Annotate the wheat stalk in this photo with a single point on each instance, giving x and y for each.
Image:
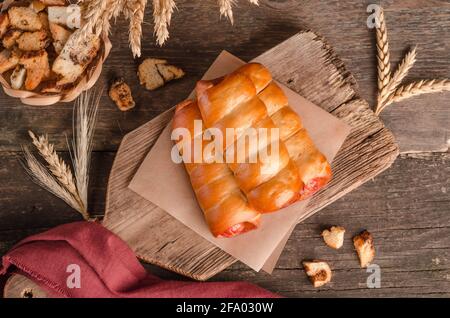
(383, 56)
(94, 17)
(399, 75)
(226, 9)
(134, 11)
(416, 89)
(98, 13)
(40, 175)
(84, 118)
(56, 164)
(162, 15)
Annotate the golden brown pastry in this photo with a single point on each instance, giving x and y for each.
(313, 167)
(225, 207)
(233, 103)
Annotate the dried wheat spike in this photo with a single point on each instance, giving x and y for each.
(396, 80)
(383, 57)
(418, 88)
(56, 164)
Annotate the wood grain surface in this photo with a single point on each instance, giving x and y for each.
(406, 208)
(309, 66)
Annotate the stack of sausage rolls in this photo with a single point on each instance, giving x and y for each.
(232, 193)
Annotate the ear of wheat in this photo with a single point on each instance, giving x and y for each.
(84, 119)
(416, 89)
(41, 176)
(389, 86)
(399, 75)
(162, 15)
(226, 9)
(56, 164)
(383, 57)
(97, 15)
(58, 178)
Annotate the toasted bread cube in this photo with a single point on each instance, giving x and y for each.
(75, 57)
(120, 93)
(37, 66)
(50, 87)
(37, 6)
(8, 60)
(24, 18)
(318, 272)
(33, 41)
(54, 2)
(60, 36)
(44, 20)
(4, 24)
(68, 16)
(18, 77)
(154, 73)
(334, 237)
(365, 248)
(10, 38)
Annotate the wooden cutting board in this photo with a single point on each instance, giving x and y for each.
(309, 66)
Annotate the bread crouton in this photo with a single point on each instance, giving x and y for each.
(24, 18)
(4, 24)
(54, 2)
(60, 36)
(154, 73)
(68, 16)
(10, 38)
(18, 77)
(37, 6)
(364, 246)
(8, 60)
(318, 272)
(120, 93)
(75, 57)
(33, 41)
(37, 66)
(44, 20)
(50, 87)
(334, 237)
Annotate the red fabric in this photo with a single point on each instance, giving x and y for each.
(108, 267)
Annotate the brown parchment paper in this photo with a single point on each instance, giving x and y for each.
(167, 184)
(90, 77)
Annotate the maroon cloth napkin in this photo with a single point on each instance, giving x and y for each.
(107, 267)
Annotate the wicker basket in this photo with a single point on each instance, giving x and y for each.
(88, 80)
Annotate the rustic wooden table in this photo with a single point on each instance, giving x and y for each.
(407, 208)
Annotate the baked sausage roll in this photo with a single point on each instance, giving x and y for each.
(263, 169)
(313, 167)
(225, 207)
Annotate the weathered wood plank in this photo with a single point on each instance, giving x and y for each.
(411, 226)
